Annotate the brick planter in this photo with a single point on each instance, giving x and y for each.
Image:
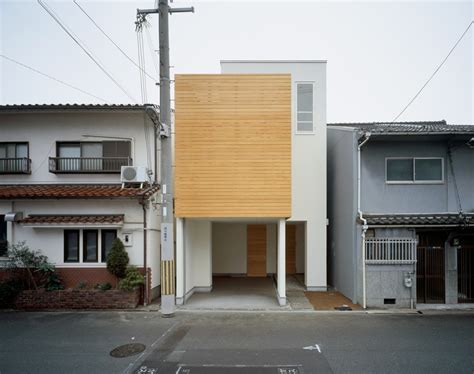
(77, 299)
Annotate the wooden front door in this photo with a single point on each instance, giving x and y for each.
(256, 250)
(290, 249)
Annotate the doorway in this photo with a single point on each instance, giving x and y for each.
(466, 270)
(256, 250)
(430, 277)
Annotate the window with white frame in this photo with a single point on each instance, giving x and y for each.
(88, 245)
(304, 107)
(414, 170)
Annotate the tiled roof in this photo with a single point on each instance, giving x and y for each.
(416, 128)
(69, 106)
(73, 219)
(420, 219)
(73, 191)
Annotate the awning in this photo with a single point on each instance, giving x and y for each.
(57, 220)
(416, 220)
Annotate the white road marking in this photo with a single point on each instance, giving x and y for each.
(313, 347)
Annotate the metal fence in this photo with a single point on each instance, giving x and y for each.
(88, 164)
(15, 165)
(390, 251)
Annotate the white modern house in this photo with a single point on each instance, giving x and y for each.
(62, 191)
(250, 175)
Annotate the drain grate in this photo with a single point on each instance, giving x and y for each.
(343, 307)
(127, 350)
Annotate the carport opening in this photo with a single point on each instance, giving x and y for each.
(244, 265)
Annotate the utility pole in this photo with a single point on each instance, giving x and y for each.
(166, 180)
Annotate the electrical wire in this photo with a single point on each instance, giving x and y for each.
(152, 51)
(434, 73)
(114, 43)
(82, 46)
(53, 78)
(143, 88)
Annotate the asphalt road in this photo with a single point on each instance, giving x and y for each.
(208, 343)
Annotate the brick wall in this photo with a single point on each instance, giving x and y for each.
(77, 299)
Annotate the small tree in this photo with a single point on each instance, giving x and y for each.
(117, 259)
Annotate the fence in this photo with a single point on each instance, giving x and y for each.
(390, 251)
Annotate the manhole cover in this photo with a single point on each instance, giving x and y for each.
(127, 350)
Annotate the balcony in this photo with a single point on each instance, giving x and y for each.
(21, 165)
(88, 165)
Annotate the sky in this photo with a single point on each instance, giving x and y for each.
(379, 53)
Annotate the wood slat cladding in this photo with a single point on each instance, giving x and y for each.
(256, 250)
(290, 238)
(233, 145)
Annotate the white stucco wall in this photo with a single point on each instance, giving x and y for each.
(229, 248)
(51, 240)
(308, 160)
(198, 257)
(43, 129)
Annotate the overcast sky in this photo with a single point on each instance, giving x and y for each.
(379, 53)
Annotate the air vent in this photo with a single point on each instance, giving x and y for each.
(389, 301)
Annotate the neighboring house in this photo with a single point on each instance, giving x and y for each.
(401, 212)
(250, 174)
(61, 189)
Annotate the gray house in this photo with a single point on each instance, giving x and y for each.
(401, 213)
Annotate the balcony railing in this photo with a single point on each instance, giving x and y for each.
(390, 251)
(20, 165)
(87, 165)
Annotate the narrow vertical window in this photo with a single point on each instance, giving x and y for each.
(107, 237)
(304, 107)
(89, 246)
(71, 245)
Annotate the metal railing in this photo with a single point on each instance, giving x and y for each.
(84, 165)
(390, 251)
(21, 165)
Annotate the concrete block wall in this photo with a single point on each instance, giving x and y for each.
(387, 282)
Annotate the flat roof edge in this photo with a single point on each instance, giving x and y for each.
(273, 61)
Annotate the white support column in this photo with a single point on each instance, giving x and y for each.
(179, 261)
(281, 270)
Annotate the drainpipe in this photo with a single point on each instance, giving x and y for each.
(364, 221)
(145, 264)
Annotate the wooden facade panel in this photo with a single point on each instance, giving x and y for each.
(256, 250)
(233, 145)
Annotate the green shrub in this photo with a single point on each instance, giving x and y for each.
(32, 268)
(103, 286)
(117, 259)
(52, 282)
(9, 290)
(82, 285)
(132, 280)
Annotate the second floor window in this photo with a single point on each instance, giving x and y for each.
(415, 170)
(91, 157)
(14, 158)
(304, 107)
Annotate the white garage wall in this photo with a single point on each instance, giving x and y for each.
(229, 248)
(197, 249)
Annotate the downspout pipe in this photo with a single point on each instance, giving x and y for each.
(361, 217)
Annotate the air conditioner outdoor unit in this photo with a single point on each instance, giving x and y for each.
(133, 174)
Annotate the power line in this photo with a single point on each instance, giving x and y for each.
(115, 44)
(53, 78)
(88, 53)
(434, 73)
